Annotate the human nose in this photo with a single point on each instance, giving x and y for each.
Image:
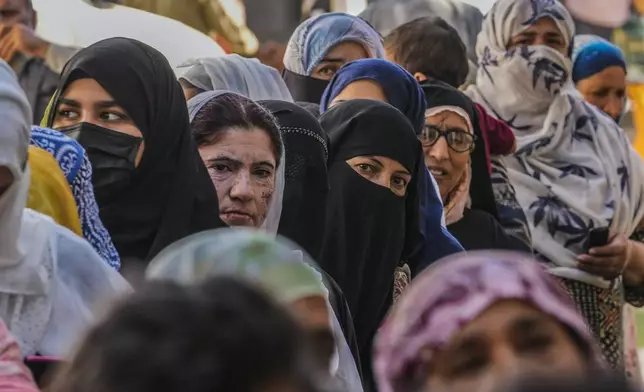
(614, 107)
(242, 187)
(440, 150)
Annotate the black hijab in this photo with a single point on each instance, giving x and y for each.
(481, 193)
(368, 227)
(303, 218)
(170, 195)
(304, 88)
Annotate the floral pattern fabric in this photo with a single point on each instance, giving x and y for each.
(574, 169)
(74, 163)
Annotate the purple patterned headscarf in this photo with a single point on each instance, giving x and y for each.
(452, 293)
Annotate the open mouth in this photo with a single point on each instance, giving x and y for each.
(438, 172)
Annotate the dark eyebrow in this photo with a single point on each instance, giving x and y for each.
(528, 33)
(332, 60)
(224, 159)
(526, 324)
(405, 172)
(105, 104)
(376, 162)
(554, 34)
(68, 102)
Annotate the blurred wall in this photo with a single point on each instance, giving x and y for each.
(273, 20)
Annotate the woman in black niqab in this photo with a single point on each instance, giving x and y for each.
(370, 230)
(303, 218)
(169, 194)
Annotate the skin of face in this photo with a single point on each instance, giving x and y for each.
(13, 12)
(509, 340)
(338, 56)
(606, 90)
(85, 100)
(242, 166)
(543, 32)
(446, 165)
(361, 89)
(6, 179)
(382, 171)
(313, 315)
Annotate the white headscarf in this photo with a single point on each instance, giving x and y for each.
(21, 244)
(247, 77)
(50, 279)
(272, 221)
(574, 169)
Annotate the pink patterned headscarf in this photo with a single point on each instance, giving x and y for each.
(452, 293)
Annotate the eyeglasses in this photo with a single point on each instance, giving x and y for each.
(457, 139)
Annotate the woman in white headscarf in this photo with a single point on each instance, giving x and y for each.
(576, 175)
(289, 276)
(234, 73)
(241, 145)
(51, 279)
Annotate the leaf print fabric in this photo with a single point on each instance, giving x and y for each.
(573, 170)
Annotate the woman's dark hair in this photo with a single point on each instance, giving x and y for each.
(220, 336)
(431, 46)
(234, 111)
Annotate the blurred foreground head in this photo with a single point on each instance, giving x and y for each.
(219, 336)
(476, 321)
(592, 384)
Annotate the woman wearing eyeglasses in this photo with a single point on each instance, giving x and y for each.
(449, 141)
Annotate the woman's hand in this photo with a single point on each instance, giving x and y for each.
(606, 261)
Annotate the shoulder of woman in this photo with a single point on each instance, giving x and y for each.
(79, 265)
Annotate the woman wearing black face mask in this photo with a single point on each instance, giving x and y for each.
(151, 186)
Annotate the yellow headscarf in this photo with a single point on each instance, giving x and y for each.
(49, 191)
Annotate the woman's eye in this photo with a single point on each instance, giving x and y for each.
(535, 344)
(327, 71)
(470, 365)
(110, 116)
(399, 182)
(219, 168)
(263, 173)
(366, 168)
(68, 114)
(600, 93)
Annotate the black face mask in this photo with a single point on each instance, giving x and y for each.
(112, 155)
(305, 88)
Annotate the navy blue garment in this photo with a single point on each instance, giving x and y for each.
(400, 88)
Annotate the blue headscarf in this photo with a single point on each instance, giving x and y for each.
(316, 36)
(75, 165)
(401, 89)
(592, 55)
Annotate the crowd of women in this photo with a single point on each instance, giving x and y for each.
(385, 215)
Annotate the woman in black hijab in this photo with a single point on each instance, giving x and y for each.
(303, 217)
(372, 213)
(120, 99)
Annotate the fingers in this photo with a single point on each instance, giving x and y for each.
(617, 246)
(5, 30)
(604, 271)
(7, 48)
